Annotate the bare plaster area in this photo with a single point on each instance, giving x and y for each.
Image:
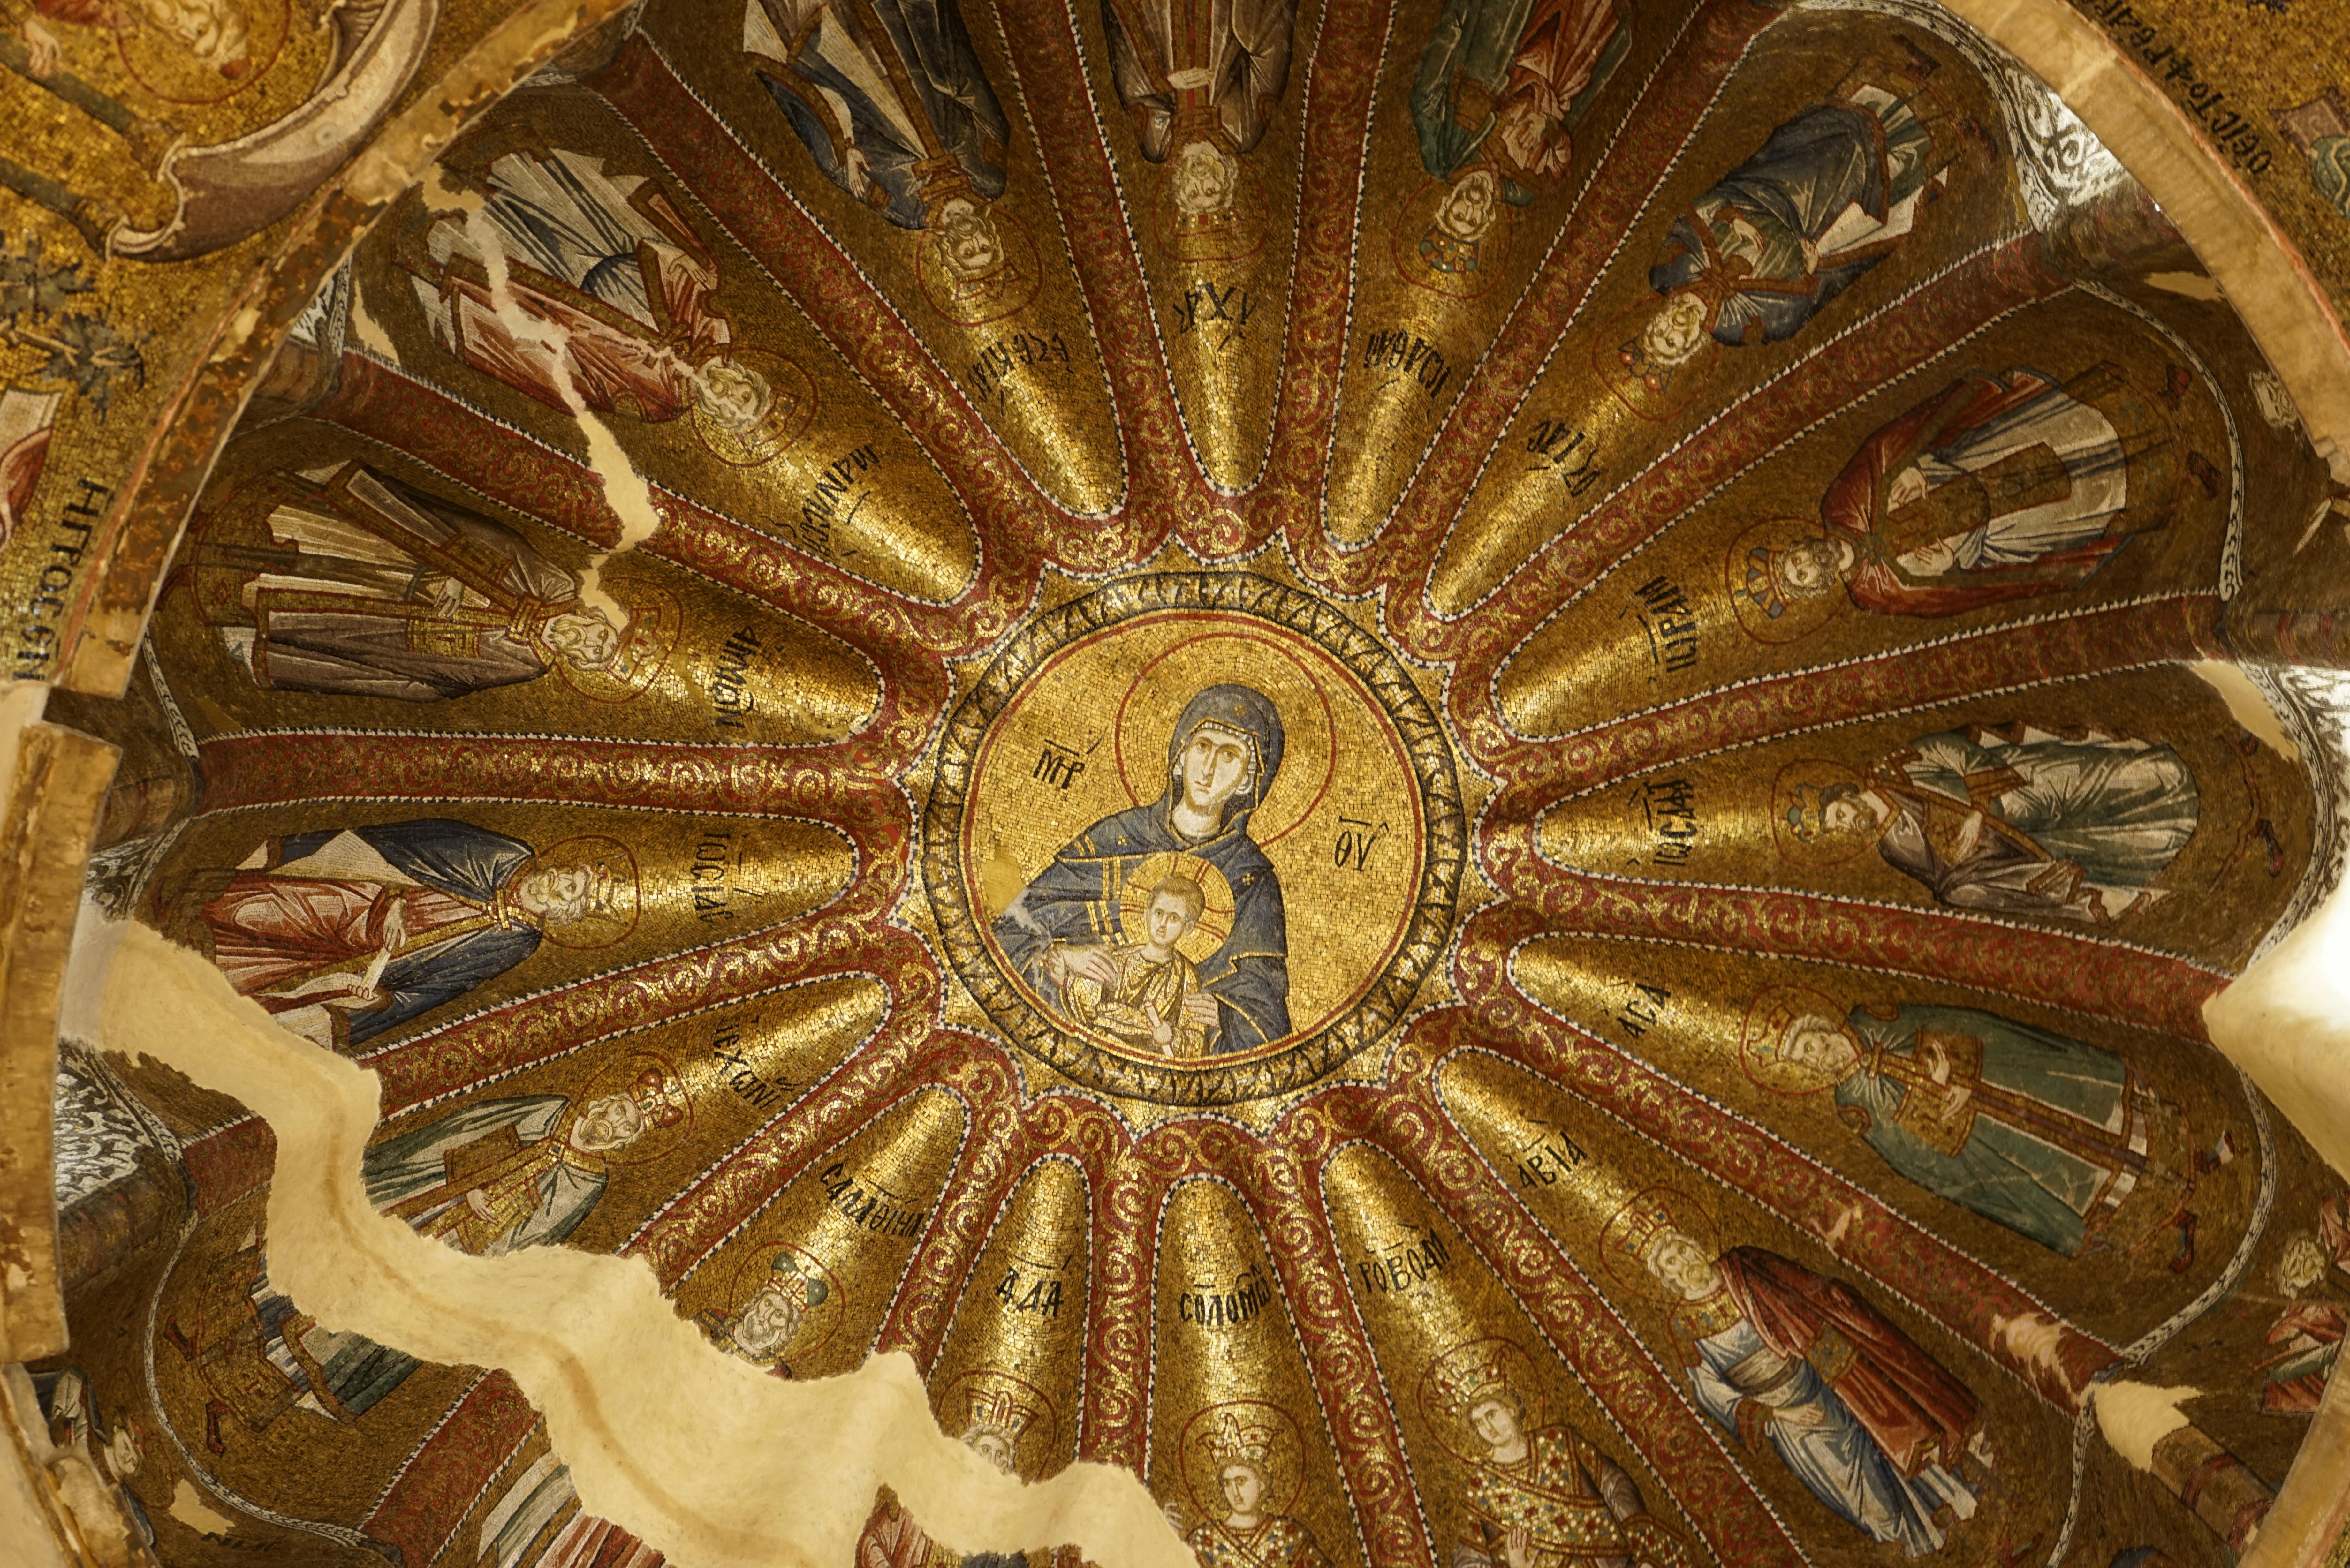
(708, 1459)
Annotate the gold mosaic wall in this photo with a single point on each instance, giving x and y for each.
(1433, 771)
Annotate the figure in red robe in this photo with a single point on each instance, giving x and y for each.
(342, 935)
(610, 272)
(25, 421)
(2308, 1333)
(1873, 1427)
(1996, 488)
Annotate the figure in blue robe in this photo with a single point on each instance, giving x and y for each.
(1073, 904)
(488, 1178)
(889, 99)
(1831, 194)
(2020, 821)
(1503, 82)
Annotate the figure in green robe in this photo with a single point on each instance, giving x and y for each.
(2057, 1139)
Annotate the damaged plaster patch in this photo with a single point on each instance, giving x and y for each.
(2135, 1417)
(188, 1507)
(625, 489)
(695, 1452)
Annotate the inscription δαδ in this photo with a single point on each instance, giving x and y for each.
(1031, 1288)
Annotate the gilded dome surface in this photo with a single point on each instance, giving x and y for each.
(1463, 776)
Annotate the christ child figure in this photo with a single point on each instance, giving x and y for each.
(1143, 996)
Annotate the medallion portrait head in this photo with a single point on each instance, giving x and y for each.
(1204, 830)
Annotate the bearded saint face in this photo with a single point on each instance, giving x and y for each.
(1808, 569)
(1205, 179)
(2303, 1265)
(1683, 1265)
(1470, 206)
(585, 640)
(967, 239)
(734, 397)
(769, 1319)
(994, 1446)
(558, 894)
(610, 1122)
(211, 30)
(1675, 333)
(1845, 809)
(1820, 1045)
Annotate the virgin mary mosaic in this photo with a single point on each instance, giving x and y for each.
(1211, 830)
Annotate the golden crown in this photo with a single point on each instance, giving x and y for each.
(600, 889)
(1472, 1380)
(1232, 1442)
(996, 1414)
(1640, 1226)
(662, 1097)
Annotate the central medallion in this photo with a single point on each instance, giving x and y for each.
(1194, 839)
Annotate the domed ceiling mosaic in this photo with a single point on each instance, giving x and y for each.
(1433, 771)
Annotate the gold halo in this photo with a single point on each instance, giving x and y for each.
(1688, 1216)
(1773, 1009)
(1417, 216)
(790, 411)
(1154, 700)
(598, 930)
(1797, 790)
(1797, 618)
(1201, 942)
(1284, 1469)
(1451, 1425)
(655, 620)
